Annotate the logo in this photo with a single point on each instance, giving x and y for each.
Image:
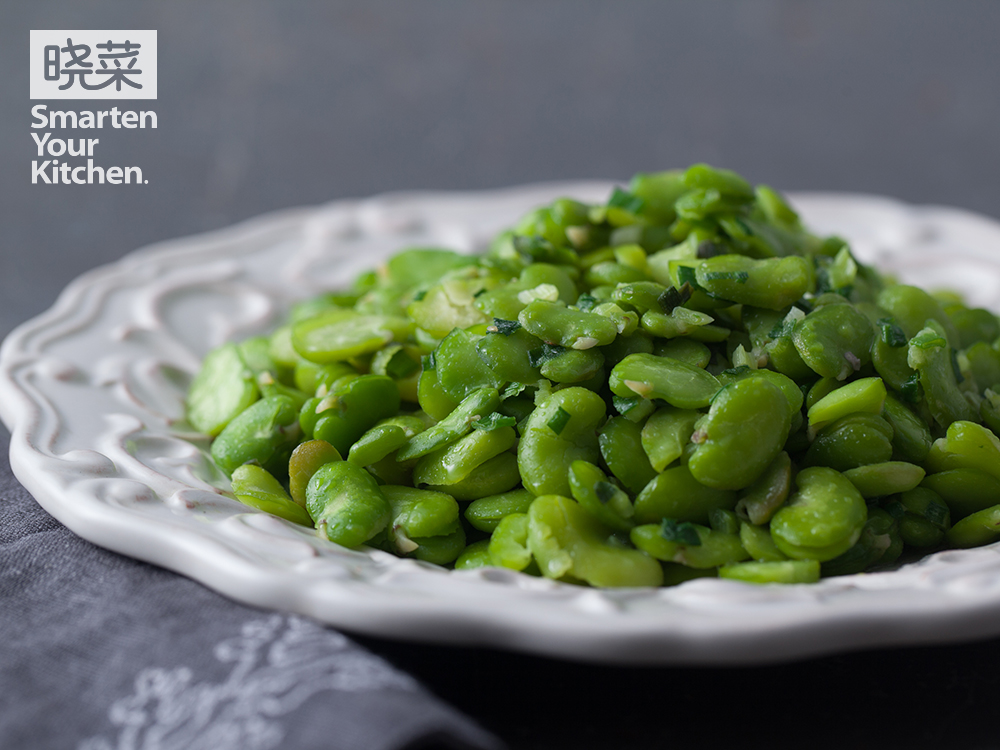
(94, 64)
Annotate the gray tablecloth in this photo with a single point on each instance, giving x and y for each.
(101, 652)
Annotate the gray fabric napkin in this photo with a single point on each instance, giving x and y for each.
(102, 652)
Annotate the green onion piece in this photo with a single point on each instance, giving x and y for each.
(493, 421)
(736, 370)
(604, 491)
(559, 421)
(626, 200)
(512, 390)
(892, 334)
(674, 297)
(683, 533)
(506, 327)
(895, 509)
(586, 302)
(910, 389)
(623, 405)
(542, 354)
(936, 514)
(534, 247)
(740, 277)
(686, 275)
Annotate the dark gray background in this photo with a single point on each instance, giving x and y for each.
(264, 105)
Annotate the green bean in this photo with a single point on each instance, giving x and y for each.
(760, 500)
(337, 334)
(306, 460)
(966, 490)
(508, 547)
(864, 395)
(349, 411)
(458, 423)
(620, 442)
(676, 494)
(886, 478)
(639, 342)
(508, 354)
(823, 519)
(834, 340)
(266, 433)
(492, 477)
(666, 433)
(930, 355)
(759, 544)
(926, 518)
(783, 571)
(555, 323)
(683, 322)
(256, 353)
(981, 363)
(679, 384)
(551, 442)
(911, 440)
(565, 540)
(852, 441)
(422, 266)
(612, 273)
(255, 487)
(419, 514)
(574, 366)
(879, 542)
(223, 388)
(890, 356)
(626, 321)
(385, 437)
(476, 555)
(791, 392)
(485, 513)
(453, 463)
(658, 191)
(282, 352)
(507, 301)
(440, 550)
(771, 331)
(745, 429)
(774, 283)
(976, 529)
(599, 497)
(912, 308)
(346, 503)
(688, 351)
(723, 520)
(966, 446)
(459, 369)
(707, 549)
(432, 398)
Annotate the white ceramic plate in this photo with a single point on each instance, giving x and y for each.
(90, 391)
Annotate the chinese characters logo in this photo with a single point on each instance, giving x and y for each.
(93, 64)
(83, 70)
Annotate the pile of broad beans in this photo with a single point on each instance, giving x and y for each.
(678, 383)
